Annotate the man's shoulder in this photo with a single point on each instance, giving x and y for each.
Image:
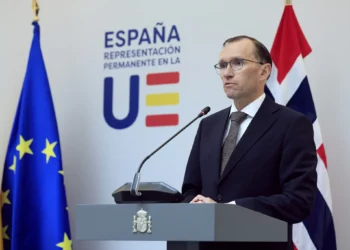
(288, 113)
(288, 117)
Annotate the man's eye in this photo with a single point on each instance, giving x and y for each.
(237, 62)
(223, 65)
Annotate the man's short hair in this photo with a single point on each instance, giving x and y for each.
(261, 52)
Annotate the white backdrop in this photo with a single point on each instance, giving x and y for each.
(98, 158)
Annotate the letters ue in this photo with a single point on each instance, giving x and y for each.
(133, 103)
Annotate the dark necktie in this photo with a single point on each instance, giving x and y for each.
(231, 139)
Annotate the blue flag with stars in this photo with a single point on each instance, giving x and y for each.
(34, 207)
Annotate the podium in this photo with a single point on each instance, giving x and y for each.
(154, 211)
(181, 225)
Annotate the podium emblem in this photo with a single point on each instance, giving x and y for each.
(142, 222)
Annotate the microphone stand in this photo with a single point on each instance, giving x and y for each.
(153, 192)
(135, 184)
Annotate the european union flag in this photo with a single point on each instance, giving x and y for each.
(34, 205)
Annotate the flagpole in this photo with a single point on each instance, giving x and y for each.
(288, 2)
(35, 8)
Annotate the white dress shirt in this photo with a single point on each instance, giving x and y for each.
(250, 110)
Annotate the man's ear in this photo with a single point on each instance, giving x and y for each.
(266, 71)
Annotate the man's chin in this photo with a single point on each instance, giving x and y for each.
(231, 95)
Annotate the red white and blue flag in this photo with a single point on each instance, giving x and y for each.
(288, 85)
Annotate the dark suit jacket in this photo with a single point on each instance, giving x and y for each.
(272, 170)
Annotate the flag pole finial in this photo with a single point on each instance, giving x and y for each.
(288, 2)
(35, 8)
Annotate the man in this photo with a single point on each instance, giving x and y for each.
(256, 154)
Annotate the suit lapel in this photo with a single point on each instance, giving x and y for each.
(216, 139)
(262, 121)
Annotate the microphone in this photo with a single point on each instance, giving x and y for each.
(155, 192)
(134, 189)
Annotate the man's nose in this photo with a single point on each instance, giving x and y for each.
(228, 71)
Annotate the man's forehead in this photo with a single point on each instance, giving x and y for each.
(238, 49)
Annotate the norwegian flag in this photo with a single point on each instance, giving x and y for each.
(288, 85)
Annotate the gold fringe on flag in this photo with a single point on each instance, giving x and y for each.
(35, 8)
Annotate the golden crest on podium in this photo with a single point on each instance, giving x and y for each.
(142, 222)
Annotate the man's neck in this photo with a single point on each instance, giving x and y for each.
(243, 102)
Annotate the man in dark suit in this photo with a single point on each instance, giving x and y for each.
(256, 154)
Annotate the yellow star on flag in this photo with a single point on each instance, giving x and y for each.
(48, 151)
(4, 235)
(13, 166)
(66, 244)
(61, 172)
(23, 147)
(4, 198)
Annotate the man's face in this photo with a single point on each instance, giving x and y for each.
(247, 81)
